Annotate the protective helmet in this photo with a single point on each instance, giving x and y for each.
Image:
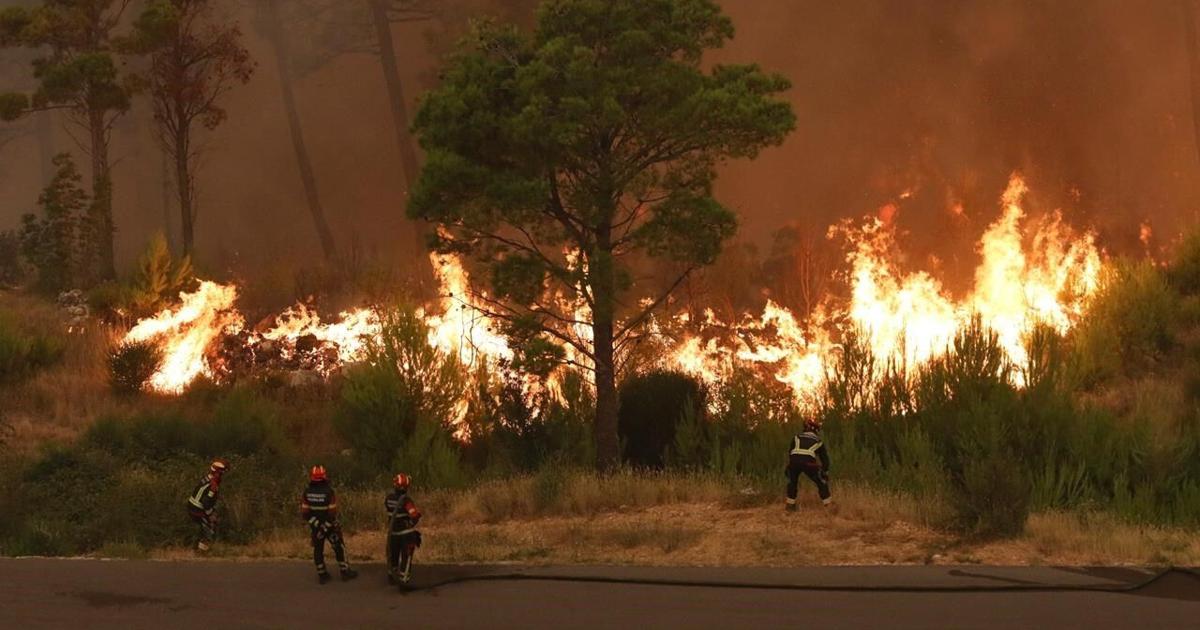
(318, 474)
(402, 481)
(812, 425)
(218, 467)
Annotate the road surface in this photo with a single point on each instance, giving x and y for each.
(47, 593)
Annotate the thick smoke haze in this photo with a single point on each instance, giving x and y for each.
(927, 105)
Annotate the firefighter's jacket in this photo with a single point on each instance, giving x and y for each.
(204, 496)
(318, 504)
(809, 447)
(403, 514)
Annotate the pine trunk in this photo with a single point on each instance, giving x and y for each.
(405, 143)
(183, 186)
(603, 283)
(280, 44)
(100, 213)
(1193, 52)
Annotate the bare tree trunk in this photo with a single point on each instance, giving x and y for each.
(100, 212)
(165, 180)
(405, 143)
(183, 186)
(280, 44)
(45, 136)
(395, 89)
(1193, 52)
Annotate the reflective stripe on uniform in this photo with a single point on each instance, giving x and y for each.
(195, 498)
(810, 451)
(404, 531)
(322, 508)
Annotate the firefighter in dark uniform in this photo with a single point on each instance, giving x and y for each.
(403, 537)
(202, 504)
(318, 506)
(809, 457)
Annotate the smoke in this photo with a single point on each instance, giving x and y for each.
(942, 100)
(927, 106)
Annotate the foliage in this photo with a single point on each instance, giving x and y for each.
(403, 384)
(652, 405)
(132, 364)
(1128, 322)
(56, 242)
(597, 135)
(159, 277)
(23, 352)
(77, 67)
(195, 59)
(1184, 270)
(12, 264)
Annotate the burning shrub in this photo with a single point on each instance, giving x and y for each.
(403, 382)
(651, 407)
(132, 364)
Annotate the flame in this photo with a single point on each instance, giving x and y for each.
(1031, 272)
(908, 319)
(186, 332)
(349, 334)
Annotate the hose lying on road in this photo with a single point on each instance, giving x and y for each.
(965, 588)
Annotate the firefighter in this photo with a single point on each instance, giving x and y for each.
(202, 504)
(318, 506)
(403, 537)
(809, 457)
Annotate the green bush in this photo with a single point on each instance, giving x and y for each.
(132, 365)
(651, 405)
(24, 353)
(159, 277)
(240, 424)
(1184, 269)
(1129, 320)
(403, 383)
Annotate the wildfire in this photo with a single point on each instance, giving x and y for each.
(185, 334)
(907, 319)
(1031, 273)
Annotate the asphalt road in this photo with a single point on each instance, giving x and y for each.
(42, 593)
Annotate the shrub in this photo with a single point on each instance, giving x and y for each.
(651, 406)
(132, 365)
(1128, 320)
(403, 383)
(24, 353)
(1184, 270)
(990, 490)
(159, 277)
(12, 266)
(57, 242)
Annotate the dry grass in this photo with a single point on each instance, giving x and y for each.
(679, 520)
(60, 401)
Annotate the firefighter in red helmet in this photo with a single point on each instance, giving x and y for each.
(809, 457)
(403, 537)
(318, 506)
(202, 503)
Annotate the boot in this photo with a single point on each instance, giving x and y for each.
(791, 507)
(392, 581)
(202, 546)
(349, 574)
(323, 577)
